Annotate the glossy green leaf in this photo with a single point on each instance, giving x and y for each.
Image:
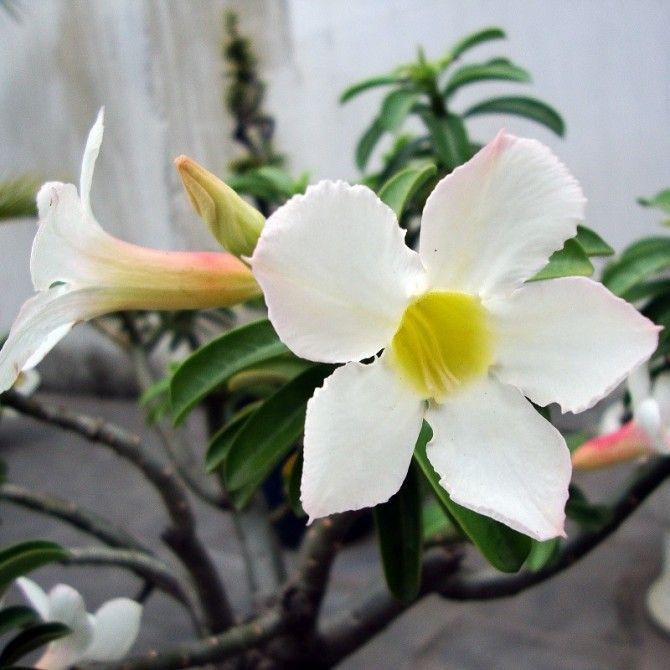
(21, 558)
(367, 143)
(16, 616)
(504, 548)
(474, 39)
(640, 262)
(395, 108)
(529, 108)
(660, 201)
(269, 433)
(566, 262)
(400, 536)
(212, 365)
(398, 190)
(591, 243)
(220, 443)
(542, 553)
(449, 138)
(361, 86)
(499, 69)
(30, 639)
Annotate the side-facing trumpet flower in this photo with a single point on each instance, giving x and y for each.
(80, 272)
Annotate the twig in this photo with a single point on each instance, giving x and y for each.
(376, 610)
(212, 649)
(73, 514)
(265, 568)
(205, 489)
(180, 536)
(148, 567)
(487, 586)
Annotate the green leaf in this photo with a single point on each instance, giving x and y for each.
(575, 439)
(529, 108)
(591, 243)
(30, 639)
(267, 183)
(220, 443)
(641, 261)
(212, 365)
(271, 431)
(499, 69)
(398, 190)
(472, 40)
(395, 108)
(449, 138)
(566, 262)
(399, 532)
(542, 553)
(17, 197)
(435, 522)
(361, 86)
(588, 515)
(504, 548)
(16, 616)
(368, 142)
(660, 201)
(19, 559)
(646, 290)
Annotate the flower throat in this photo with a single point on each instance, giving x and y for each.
(443, 340)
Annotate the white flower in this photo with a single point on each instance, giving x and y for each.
(464, 337)
(106, 635)
(647, 433)
(81, 272)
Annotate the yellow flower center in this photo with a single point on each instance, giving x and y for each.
(443, 340)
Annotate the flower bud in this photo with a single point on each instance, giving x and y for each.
(234, 223)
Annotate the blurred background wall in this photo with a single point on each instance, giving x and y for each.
(155, 65)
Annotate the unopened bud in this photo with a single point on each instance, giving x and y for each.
(234, 223)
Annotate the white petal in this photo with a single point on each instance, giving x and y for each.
(68, 243)
(612, 418)
(568, 341)
(116, 625)
(66, 606)
(647, 415)
(34, 594)
(43, 320)
(497, 456)
(335, 272)
(639, 384)
(90, 156)
(493, 222)
(661, 393)
(360, 432)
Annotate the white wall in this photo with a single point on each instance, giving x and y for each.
(155, 65)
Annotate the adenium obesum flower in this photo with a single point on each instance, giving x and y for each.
(81, 272)
(463, 336)
(106, 635)
(647, 433)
